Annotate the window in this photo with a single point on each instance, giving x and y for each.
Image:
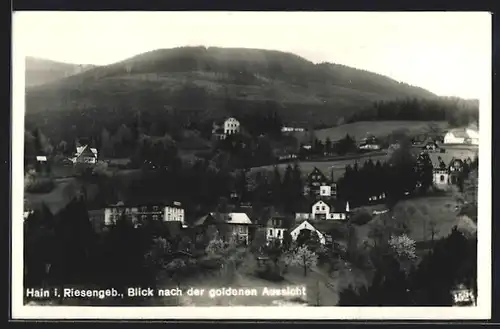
(279, 234)
(317, 208)
(169, 216)
(241, 229)
(155, 217)
(155, 208)
(144, 217)
(323, 208)
(441, 179)
(144, 208)
(271, 232)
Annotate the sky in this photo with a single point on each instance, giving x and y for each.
(443, 52)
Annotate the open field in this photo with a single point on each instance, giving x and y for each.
(418, 214)
(359, 130)
(319, 286)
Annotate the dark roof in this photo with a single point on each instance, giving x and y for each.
(282, 222)
(134, 201)
(316, 171)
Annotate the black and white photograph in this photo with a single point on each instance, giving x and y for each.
(253, 161)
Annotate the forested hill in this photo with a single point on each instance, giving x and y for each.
(214, 82)
(41, 71)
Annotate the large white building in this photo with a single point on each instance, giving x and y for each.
(138, 213)
(462, 136)
(320, 210)
(230, 126)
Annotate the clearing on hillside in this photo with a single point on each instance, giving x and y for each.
(359, 130)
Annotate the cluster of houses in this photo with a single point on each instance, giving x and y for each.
(237, 225)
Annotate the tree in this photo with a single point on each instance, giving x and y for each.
(432, 229)
(155, 257)
(106, 144)
(42, 144)
(304, 258)
(276, 186)
(215, 247)
(287, 240)
(309, 239)
(403, 248)
(176, 269)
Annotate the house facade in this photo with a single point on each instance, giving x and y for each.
(318, 185)
(275, 229)
(305, 225)
(141, 212)
(228, 127)
(320, 210)
(233, 227)
(456, 169)
(85, 154)
(462, 136)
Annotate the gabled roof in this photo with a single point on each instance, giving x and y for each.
(143, 200)
(316, 171)
(238, 218)
(459, 133)
(85, 149)
(222, 218)
(281, 222)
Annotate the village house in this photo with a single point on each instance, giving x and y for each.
(441, 174)
(462, 136)
(275, 228)
(285, 129)
(232, 227)
(320, 210)
(223, 129)
(318, 185)
(285, 155)
(431, 146)
(306, 225)
(85, 154)
(140, 212)
(369, 144)
(456, 169)
(42, 165)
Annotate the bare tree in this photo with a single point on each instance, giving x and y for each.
(304, 258)
(432, 229)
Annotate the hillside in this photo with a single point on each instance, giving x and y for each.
(42, 71)
(215, 82)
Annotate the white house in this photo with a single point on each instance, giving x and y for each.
(305, 225)
(275, 229)
(228, 127)
(323, 211)
(441, 178)
(85, 154)
(462, 136)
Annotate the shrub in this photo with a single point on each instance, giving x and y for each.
(33, 184)
(270, 273)
(361, 218)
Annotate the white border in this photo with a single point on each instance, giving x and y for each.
(481, 311)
